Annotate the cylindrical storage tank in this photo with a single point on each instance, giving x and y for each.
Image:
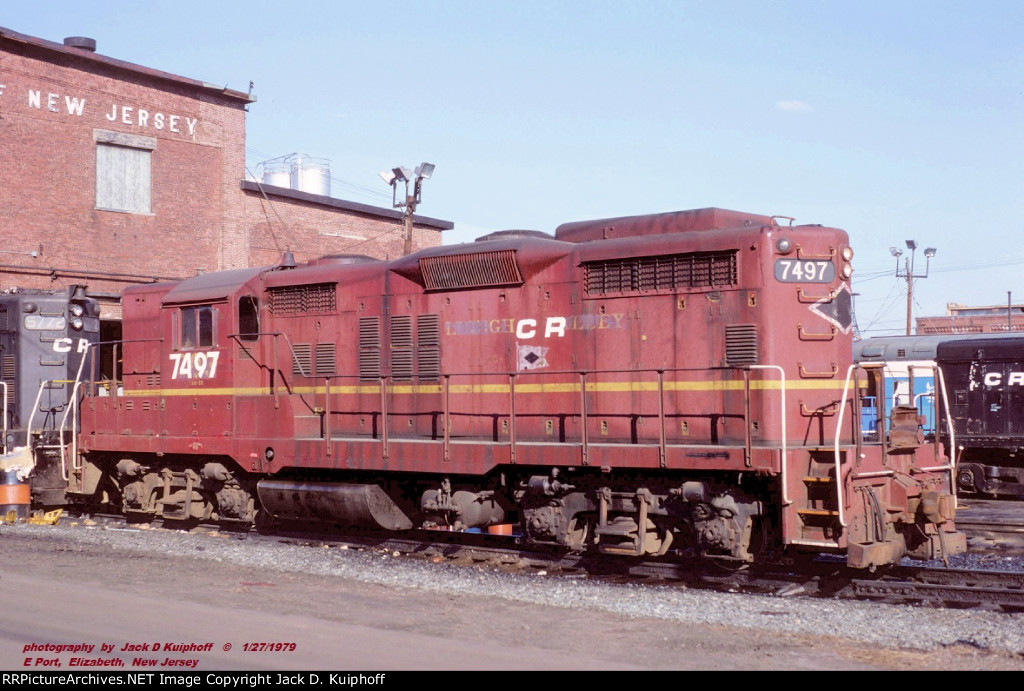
(15, 496)
(277, 173)
(312, 175)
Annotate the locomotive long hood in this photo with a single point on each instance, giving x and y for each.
(658, 224)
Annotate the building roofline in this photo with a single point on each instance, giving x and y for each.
(380, 212)
(96, 58)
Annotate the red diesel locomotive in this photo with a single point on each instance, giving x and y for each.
(672, 383)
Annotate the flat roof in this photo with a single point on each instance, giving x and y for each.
(299, 195)
(88, 56)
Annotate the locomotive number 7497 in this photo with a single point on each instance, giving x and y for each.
(804, 271)
(197, 365)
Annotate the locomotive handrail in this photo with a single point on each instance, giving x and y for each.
(951, 466)
(839, 428)
(786, 501)
(512, 416)
(115, 343)
(65, 464)
(584, 380)
(73, 406)
(35, 406)
(4, 385)
(275, 368)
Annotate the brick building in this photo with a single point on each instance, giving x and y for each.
(114, 173)
(961, 319)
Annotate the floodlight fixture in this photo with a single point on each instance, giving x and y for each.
(907, 272)
(411, 198)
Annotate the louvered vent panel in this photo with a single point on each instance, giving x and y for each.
(476, 270)
(325, 361)
(401, 332)
(401, 348)
(661, 273)
(428, 353)
(401, 365)
(9, 372)
(302, 359)
(153, 380)
(320, 297)
(369, 348)
(741, 345)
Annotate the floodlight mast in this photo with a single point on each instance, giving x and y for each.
(411, 201)
(908, 273)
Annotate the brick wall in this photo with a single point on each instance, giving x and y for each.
(53, 100)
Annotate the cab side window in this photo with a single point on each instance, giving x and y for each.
(196, 327)
(248, 318)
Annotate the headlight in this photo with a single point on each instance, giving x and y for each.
(77, 310)
(846, 271)
(783, 246)
(76, 323)
(847, 253)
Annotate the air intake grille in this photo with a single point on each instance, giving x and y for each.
(476, 270)
(300, 299)
(662, 273)
(740, 345)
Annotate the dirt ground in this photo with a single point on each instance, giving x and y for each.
(56, 591)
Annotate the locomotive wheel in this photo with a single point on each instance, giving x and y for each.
(578, 532)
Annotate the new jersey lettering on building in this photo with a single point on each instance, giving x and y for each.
(125, 114)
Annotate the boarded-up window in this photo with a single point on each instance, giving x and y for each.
(124, 172)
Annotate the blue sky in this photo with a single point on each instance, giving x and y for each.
(893, 120)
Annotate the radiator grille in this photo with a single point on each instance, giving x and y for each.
(661, 273)
(476, 270)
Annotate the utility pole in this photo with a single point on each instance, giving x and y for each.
(908, 273)
(411, 201)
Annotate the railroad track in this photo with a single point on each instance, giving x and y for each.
(821, 577)
(992, 524)
(915, 585)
